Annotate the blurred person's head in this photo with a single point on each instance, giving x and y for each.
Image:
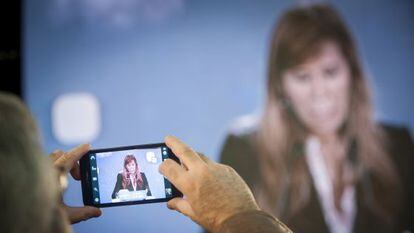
(29, 190)
(316, 86)
(318, 91)
(131, 170)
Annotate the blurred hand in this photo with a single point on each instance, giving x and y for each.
(69, 162)
(213, 192)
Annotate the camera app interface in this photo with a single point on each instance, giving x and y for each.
(129, 175)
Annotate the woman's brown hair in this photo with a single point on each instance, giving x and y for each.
(285, 182)
(126, 180)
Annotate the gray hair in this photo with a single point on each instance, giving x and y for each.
(28, 183)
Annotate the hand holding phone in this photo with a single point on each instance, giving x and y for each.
(68, 161)
(214, 192)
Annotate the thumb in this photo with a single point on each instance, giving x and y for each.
(77, 214)
(181, 205)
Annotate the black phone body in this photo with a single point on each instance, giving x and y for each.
(109, 177)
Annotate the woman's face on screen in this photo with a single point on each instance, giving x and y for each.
(318, 90)
(131, 166)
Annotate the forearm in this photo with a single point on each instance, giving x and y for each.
(253, 222)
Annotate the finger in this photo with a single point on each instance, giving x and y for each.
(174, 173)
(183, 152)
(69, 158)
(77, 214)
(56, 155)
(75, 171)
(183, 165)
(181, 205)
(205, 158)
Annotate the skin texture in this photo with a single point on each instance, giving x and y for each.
(213, 192)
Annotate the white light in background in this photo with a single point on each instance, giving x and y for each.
(76, 118)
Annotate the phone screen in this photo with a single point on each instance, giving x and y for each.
(126, 175)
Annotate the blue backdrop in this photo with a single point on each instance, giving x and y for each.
(187, 68)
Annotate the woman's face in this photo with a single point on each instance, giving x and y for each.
(131, 167)
(318, 90)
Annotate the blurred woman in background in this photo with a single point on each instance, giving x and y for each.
(316, 158)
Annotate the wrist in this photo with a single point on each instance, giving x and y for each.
(232, 220)
(247, 208)
(251, 222)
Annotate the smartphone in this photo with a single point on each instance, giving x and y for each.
(126, 176)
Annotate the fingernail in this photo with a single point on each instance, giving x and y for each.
(159, 167)
(86, 146)
(99, 213)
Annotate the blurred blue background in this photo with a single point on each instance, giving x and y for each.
(187, 68)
